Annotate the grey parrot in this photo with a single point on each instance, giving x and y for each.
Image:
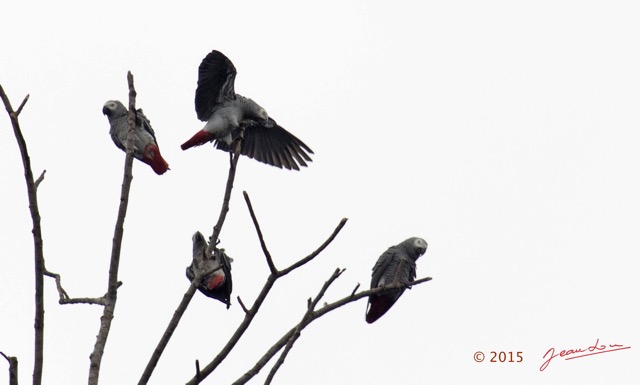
(224, 111)
(395, 266)
(216, 282)
(145, 146)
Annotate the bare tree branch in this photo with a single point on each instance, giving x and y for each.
(64, 297)
(311, 256)
(37, 238)
(267, 255)
(107, 316)
(186, 299)
(166, 336)
(227, 193)
(296, 334)
(13, 368)
(40, 178)
(24, 101)
(355, 288)
(244, 308)
(250, 314)
(310, 317)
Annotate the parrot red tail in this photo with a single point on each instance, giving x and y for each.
(215, 282)
(155, 160)
(378, 305)
(201, 137)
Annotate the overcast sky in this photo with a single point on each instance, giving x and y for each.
(505, 134)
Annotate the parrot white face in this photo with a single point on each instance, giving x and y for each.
(114, 108)
(421, 245)
(262, 114)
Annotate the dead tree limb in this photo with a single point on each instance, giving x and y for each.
(267, 255)
(309, 317)
(213, 241)
(296, 333)
(107, 316)
(64, 298)
(13, 369)
(37, 237)
(186, 298)
(250, 313)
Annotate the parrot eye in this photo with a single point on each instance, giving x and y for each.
(421, 243)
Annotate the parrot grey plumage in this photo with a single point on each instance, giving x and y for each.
(225, 111)
(216, 269)
(145, 146)
(396, 266)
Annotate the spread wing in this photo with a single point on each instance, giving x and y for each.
(271, 144)
(216, 76)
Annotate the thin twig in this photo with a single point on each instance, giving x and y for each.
(66, 300)
(250, 314)
(24, 101)
(313, 316)
(227, 193)
(296, 334)
(355, 289)
(112, 290)
(13, 368)
(168, 333)
(40, 178)
(311, 256)
(186, 299)
(244, 308)
(272, 266)
(61, 292)
(37, 238)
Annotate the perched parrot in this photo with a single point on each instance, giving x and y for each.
(145, 146)
(397, 265)
(224, 111)
(216, 282)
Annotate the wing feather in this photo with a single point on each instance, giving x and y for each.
(216, 77)
(273, 145)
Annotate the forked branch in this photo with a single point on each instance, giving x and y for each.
(112, 289)
(64, 298)
(37, 237)
(13, 368)
(186, 298)
(311, 314)
(271, 279)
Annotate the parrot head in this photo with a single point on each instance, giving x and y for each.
(113, 109)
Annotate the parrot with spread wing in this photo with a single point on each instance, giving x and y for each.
(225, 112)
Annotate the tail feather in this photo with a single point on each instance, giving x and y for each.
(201, 137)
(215, 282)
(155, 160)
(378, 305)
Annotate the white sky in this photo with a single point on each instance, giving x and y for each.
(505, 135)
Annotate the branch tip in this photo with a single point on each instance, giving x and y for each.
(22, 105)
(263, 245)
(244, 308)
(355, 289)
(40, 178)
